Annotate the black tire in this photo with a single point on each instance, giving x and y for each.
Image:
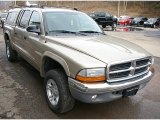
(154, 26)
(11, 54)
(1, 24)
(66, 101)
(104, 26)
(114, 25)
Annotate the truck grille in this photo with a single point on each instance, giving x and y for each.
(120, 66)
(128, 70)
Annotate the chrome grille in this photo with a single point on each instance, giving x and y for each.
(142, 62)
(120, 66)
(140, 70)
(128, 70)
(120, 74)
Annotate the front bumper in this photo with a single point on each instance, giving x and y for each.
(105, 22)
(104, 92)
(121, 23)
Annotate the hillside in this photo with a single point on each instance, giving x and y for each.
(147, 8)
(131, 8)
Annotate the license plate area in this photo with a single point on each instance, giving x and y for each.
(130, 91)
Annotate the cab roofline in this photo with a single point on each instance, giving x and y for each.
(45, 9)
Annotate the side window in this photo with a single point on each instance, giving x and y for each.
(145, 19)
(8, 17)
(13, 17)
(25, 19)
(19, 17)
(35, 19)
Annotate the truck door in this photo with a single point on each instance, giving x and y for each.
(20, 33)
(33, 40)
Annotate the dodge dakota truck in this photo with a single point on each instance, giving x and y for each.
(77, 60)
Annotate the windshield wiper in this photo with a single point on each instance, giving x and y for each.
(62, 31)
(90, 31)
(66, 31)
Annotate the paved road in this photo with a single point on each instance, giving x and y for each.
(21, 94)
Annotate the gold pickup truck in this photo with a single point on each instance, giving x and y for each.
(76, 58)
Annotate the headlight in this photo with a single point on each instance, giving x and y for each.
(91, 75)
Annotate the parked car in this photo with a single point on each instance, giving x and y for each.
(124, 20)
(139, 21)
(157, 23)
(3, 18)
(76, 59)
(152, 22)
(104, 19)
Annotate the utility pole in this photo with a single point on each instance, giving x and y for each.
(125, 6)
(73, 4)
(118, 7)
(15, 3)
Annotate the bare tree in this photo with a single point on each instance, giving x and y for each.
(118, 8)
(125, 6)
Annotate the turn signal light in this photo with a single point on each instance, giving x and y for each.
(91, 75)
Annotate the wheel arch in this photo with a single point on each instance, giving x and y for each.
(54, 61)
(6, 36)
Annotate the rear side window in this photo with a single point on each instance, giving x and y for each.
(8, 17)
(144, 19)
(19, 17)
(25, 19)
(11, 18)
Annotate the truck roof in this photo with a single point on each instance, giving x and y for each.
(46, 9)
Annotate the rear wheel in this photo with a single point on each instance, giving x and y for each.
(57, 91)
(11, 54)
(104, 26)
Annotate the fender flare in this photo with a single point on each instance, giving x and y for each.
(8, 33)
(55, 57)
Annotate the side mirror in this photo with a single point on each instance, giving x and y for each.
(33, 28)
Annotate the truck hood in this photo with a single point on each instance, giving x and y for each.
(102, 47)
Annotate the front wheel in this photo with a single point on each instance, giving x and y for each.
(57, 91)
(114, 26)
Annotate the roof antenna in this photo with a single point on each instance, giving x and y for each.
(30, 5)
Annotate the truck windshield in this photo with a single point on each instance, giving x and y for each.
(152, 20)
(137, 19)
(70, 22)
